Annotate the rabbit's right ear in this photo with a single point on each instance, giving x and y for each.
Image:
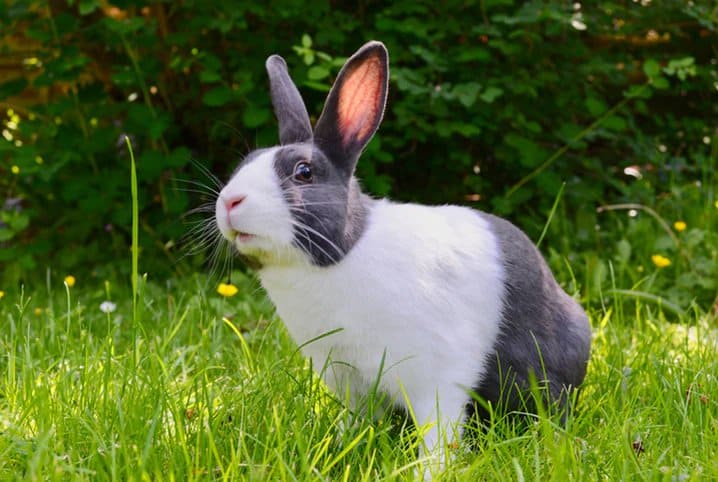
(355, 106)
(294, 125)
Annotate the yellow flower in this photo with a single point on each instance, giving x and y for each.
(70, 281)
(38, 311)
(716, 204)
(15, 170)
(227, 289)
(660, 261)
(680, 226)
(2, 294)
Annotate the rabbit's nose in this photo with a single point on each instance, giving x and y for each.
(234, 201)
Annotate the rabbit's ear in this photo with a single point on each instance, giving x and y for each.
(294, 125)
(355, 106)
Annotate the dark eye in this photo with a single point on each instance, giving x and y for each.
(303, 172)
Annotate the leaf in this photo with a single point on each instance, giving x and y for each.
(254, 116)
(38, 33)
(176, 201)
(317, 73)
(569, 131)
(595, 106)
(549, 181)
(615, 123)
(309, 57)
(533, 126)
(501, 205)
(623, 250)
(474, 54)
(150, 165)
(682, 68)
(218, 96)
(466, 130)
(86, 7)
(491, 94)
(6, 234)
(530, 153)
(158, 125)
(660, 83)
(124, 78)
(466, 93)
(306, 41)
(209, 76)
(639, 91)
(179, 157)
(651, 68)
(317, 86)
(680, 63)
(127, 26)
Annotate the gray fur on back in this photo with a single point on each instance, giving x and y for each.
(543, 330)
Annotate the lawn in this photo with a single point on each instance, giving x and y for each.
(592, 125)
(202, 387)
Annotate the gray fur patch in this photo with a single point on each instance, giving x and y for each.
(330, 212)
(294, 125)
(544, 332)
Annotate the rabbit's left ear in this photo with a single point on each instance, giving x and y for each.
(294, 125)
(355, 106)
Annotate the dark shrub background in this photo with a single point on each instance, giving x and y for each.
(493, 104)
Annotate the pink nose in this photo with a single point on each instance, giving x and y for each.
(233, 202)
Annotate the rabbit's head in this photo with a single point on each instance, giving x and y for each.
(300, 200)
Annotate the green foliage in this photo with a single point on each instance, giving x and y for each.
(493, 103)
(212, 388)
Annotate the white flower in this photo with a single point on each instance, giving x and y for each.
(107, 307)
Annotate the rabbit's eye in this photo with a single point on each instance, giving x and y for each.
(303, 172)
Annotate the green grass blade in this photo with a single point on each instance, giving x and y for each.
(135, 226)
(649, 297)
(559, 195)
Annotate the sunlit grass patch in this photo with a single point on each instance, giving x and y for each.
(213, 388)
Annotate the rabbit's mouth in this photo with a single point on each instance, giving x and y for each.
(248, 243)
(239, 238)
(243, 237)
(262, 250)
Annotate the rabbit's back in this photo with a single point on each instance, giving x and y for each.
(542, 330)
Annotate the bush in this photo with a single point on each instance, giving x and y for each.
(492, 104)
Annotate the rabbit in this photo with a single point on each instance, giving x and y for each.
(432, 306)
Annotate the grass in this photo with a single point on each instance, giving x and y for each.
(212, 388)
(174, 382)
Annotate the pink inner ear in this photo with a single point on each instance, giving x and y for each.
(359, 100)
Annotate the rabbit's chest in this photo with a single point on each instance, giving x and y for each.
(422, 289)
(328, 314)
(369, 333)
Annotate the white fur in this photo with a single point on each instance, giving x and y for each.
(263, 212)
(418, 298)
(421, 291)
